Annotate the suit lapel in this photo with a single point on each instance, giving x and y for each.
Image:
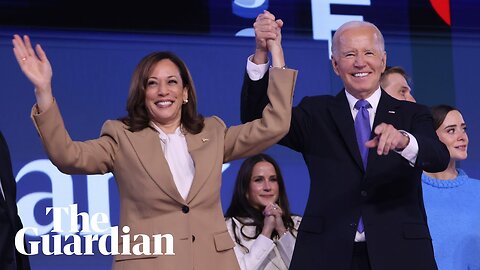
(146, 144)
(202, 148)
(387, 112)
(342, 117)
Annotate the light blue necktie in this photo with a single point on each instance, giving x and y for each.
(363, 130)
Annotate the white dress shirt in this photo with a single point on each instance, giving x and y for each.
(179, 160)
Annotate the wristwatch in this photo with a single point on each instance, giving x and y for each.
(404, 133)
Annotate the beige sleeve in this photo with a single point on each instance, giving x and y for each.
(75, 157)
(254, 137)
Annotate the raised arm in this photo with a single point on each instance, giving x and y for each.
(75, 157)
(268, 38)
(37, 68)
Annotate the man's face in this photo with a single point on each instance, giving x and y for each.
(396, 86)
(359, 60)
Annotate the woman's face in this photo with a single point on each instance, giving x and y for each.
(263, 188)
(453, 133)
(164, 95)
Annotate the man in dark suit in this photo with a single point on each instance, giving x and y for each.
(365, 208)
(10, 222)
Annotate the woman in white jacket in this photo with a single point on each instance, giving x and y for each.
(259, 218)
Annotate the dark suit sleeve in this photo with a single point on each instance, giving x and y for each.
(9, 188)
(22, 261)
(253, 98)
(433, 155)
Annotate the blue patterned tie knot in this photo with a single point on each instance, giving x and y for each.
(362, 103)
(362, 130)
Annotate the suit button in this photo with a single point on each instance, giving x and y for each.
(363, 193)
(193, 238)
(185, 209)
(353, 225)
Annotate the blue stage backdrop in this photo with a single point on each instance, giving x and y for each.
(92, 71)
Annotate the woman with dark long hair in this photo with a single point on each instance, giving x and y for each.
(451, 198)
(259, 217)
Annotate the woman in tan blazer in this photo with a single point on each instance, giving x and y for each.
(162, 191)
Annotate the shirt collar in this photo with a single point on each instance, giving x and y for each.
(373, 99)
(163, 136)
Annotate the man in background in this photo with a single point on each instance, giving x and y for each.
(394, 81)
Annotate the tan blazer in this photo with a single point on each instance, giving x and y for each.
(149, 200)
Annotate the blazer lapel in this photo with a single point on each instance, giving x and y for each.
(202, 148)
(342, 117)
(387, 112)
(146, 144)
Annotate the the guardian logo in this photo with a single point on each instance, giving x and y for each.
(81, 242)
(65, 234)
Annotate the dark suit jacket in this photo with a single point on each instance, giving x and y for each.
(387, 195)
(10, 222)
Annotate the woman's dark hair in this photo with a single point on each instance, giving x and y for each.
(138, 117)
(241, 208)
(439, 113)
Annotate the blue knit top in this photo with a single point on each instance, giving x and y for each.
(453, 211)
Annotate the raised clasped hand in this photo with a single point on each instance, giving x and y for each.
(274, 210)
(268, 35)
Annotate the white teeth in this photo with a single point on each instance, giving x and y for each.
(363, 74)
(164, 103)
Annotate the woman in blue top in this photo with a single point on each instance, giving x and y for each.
(452, 198)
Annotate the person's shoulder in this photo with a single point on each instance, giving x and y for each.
(318, 98)
(475, 181)
(314, 101)
(214, 121)
(114, 128)
(117, 124)
(239, 221)
(472, 181)
(407, 106)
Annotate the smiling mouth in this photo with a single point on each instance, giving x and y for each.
(163, 103)
(461, 147)
(360, 74)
